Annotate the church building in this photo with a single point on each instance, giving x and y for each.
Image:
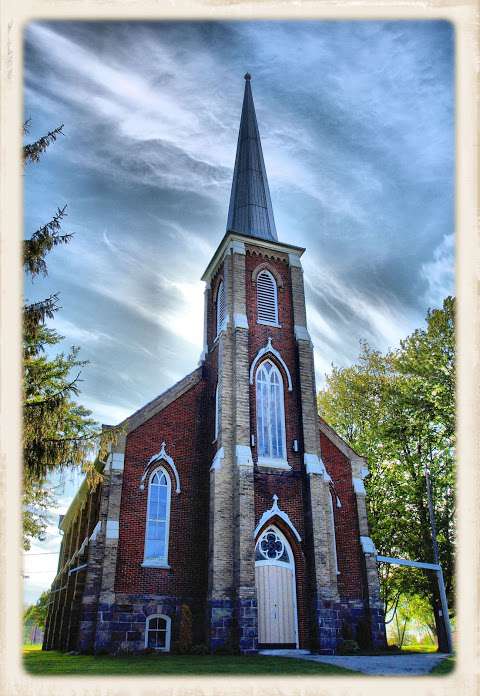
(228, 493)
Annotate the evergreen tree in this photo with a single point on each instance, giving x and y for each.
(57, 431)
(398, 410)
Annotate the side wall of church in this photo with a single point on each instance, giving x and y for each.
(141, 591)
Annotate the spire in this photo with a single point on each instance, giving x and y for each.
(250, 210)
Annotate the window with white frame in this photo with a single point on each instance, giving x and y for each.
(270, 412)
(158, 518)
(267, 298)
(334, 539)
(220, 306)
(158, 631)
(217, 411)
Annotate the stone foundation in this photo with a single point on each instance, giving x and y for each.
(221, 615)
(365, 626)
(247, 623)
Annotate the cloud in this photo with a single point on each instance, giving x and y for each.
(356, 120)
(439, 273)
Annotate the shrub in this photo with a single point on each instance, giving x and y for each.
(184, 643)
(226, 649)
(347, 633)
(150, 651)
(348, 647)
(363, 634)
(200, 649)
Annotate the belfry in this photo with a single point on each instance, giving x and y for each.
(227, 496)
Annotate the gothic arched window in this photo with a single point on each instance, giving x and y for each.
(220, 306)
(158, 519)
(267, 298)
(270, 413)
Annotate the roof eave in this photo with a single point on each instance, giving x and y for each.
(230, 236)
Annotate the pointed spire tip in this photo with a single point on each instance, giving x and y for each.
(247, 76)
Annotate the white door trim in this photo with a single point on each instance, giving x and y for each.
(290, 565)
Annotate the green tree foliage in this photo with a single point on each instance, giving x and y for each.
(57, 431)
(398, 411)
(37, 613)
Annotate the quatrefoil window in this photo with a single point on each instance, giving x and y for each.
(271, 548)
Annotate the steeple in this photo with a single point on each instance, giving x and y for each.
(250, 210)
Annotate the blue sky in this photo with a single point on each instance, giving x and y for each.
(357, 126)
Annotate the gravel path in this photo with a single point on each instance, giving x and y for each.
(407, 664)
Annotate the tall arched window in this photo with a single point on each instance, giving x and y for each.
(267, 299)
(220, 306)
(158, 519)
(270, 413)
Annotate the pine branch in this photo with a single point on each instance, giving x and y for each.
(42, 241)
(32, 151)
(38, 312)
(54, 400)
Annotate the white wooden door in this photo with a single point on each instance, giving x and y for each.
(276, 595)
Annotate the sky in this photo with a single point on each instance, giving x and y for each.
(357, 127)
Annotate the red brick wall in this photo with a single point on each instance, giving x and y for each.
(182, 426)
(349, 553)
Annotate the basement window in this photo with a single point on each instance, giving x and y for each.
(158, 631)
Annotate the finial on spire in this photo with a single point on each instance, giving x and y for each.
(247, 76)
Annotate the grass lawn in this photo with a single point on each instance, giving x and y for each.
(445, 666)
(53, 662)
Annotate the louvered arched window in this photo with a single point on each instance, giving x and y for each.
(158, 519)
(220, 306)
(270, 413)
(267, 298)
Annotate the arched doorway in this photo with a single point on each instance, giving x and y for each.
(276, 590)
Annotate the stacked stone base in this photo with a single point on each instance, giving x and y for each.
(339, 621)
(223, 624)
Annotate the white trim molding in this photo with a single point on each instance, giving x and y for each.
(168, 630)
(314, 465)
(268, 348)
(294, 260)
(236, 247)
(240, 321)
(217, 460)
(96, 530)
(367, 545)
(118, 459)
(358, 486)
(161, 456)
(275, 511)
(243, 455)
(301, 333)
(272, 463)
(112, 529)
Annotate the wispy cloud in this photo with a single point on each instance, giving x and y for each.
(356, 121)
(439, 273)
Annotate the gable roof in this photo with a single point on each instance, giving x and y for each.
(339, 442)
